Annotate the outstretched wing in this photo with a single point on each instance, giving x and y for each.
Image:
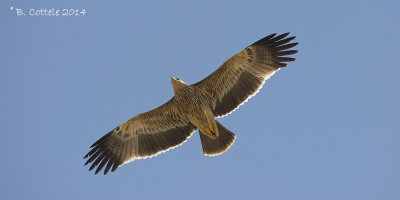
(145, 135)
(240, 77)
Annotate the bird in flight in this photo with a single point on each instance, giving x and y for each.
(194, 107)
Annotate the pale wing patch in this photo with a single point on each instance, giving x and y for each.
(144, 136)
(242, 76)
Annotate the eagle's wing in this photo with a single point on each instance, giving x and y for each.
(145, 135)
(240, 77)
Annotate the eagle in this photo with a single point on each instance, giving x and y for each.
(194, 107)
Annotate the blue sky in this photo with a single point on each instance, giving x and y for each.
(326, 127)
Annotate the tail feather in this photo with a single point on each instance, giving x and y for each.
(214, 147)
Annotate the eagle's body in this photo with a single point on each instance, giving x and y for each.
(194, 107)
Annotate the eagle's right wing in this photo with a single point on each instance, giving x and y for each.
(145, 135)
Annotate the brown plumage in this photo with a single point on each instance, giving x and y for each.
(194, 107)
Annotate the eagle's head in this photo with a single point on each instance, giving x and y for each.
(177, 83)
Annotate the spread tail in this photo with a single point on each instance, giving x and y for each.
(214, 147)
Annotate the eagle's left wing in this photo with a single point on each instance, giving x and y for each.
(240, 77)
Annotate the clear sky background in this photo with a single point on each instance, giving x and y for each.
(326, 127)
